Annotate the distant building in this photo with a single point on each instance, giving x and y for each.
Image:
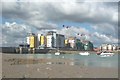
(114, 47)
(72, 42)
(43, 41)
(60, 40)
(108, 47)
(51, 37)
(28, 40)
(39, 35)
(32, 40)
(55, 40)
(79, 45)
(88, 46)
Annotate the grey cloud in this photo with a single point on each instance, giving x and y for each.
(41, 25)
(73, 31)
(40, 15)
(76, 12)
(99, 38)
(15, 30)
(106, 28)
(13, 34)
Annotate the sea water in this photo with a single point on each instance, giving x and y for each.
(92, 60)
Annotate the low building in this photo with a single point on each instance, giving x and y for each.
(108, 47)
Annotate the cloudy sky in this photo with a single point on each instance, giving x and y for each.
(97, 20)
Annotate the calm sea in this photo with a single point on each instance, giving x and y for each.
(92, 60)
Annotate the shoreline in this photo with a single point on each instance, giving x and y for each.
(16, 66)
(43, 51)
(61, 51)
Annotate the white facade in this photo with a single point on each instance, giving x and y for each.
(104, 47)
(110, 47)
(28, 40)
(38, 37)
(49, 41)
(55, 40)
(114, 47)
(72, 42)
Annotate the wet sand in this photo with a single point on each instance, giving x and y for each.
(18, 66)
(1, 66)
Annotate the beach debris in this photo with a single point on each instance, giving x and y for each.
(49, 63)
(26, 76)
(71, 63)
(81, 76)
(4, 76)
(48, 68)
(38, 69)
(27, 65)
(59, 63)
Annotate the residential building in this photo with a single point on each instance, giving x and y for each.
(32, 40)
(60, 40)
(55, 40)
(72, 41)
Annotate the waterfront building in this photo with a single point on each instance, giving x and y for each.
(51, 37)
(60, 40)
(87, 45)
(28, 40)
(67, 44)
(108, 47)
(66, 41)
(49, 41)
(32, 40)
(79, 45)
(39, 35)
(72, 41)
(43, 41)
(55, 40)
(114, 47)
(104, 47)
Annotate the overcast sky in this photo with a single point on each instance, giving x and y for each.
(98, 20)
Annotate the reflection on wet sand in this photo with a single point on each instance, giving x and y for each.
(50, 66)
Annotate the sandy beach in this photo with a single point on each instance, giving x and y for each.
(1, 66)
(18, 66)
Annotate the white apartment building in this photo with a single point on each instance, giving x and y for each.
(49, 41)
(55, 40)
